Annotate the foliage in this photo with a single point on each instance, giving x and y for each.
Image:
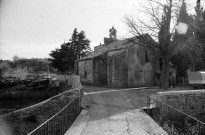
(187, 56)
(176, 122)
(64, 58)
(182, 64)
(21, 66)
(4, 67)
(34, 64)
(199, 26)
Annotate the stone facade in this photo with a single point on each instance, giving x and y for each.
(117, 68)
(117, 64)
(100, 70)
(190, 101)
(85, 71)
(140, 69)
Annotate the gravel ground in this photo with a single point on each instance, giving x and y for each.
(138, 98)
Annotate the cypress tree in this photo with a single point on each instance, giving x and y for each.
(200, 31)
(200, 22)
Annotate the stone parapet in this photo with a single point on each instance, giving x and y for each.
(191, 102)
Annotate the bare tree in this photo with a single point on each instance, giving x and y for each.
(162, 26)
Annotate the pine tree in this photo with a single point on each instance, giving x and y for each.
(64, 58)
(198, 10)
(84, 45)
(80, 44)
(181, 60)
(183, 15)
(74, 43)
(183, 18)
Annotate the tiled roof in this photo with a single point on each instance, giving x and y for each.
(119, 44)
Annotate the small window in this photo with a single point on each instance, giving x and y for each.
(85, 74)
(146, 56)
(137, 53)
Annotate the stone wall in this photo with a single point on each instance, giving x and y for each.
(191, 102)
(128, 67)
(140, 70)
(117, 68)
(85, 71)
(100, 70)
(108, 40)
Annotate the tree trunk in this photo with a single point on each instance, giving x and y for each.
(165, 76)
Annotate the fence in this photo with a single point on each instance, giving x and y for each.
(174, 121)
(61, 121)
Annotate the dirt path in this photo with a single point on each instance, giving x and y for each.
(114, 113)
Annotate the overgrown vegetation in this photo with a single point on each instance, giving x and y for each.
(176, 123)
(22, 67)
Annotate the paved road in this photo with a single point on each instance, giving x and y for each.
(114, 113)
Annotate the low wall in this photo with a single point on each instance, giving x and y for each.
(73, 80)
(191, 102)
(24, 120)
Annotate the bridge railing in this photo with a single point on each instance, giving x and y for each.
(61, 121)
(174, 121)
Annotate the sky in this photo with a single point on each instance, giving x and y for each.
(32, 28)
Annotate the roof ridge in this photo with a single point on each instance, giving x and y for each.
(116, 45)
